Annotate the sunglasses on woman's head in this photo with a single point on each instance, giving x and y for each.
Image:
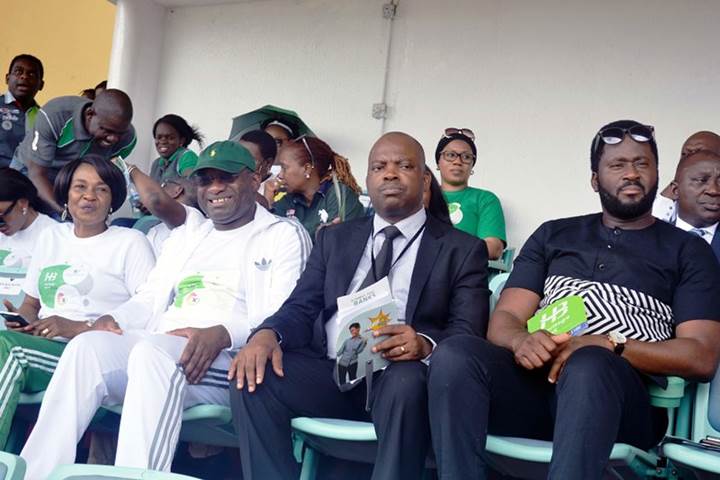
(449, 132)
(303, 139)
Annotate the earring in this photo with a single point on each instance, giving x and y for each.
(64, 214)
(472, 172)
(307, 176)
(24, 211)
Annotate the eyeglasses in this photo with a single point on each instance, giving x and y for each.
(303, 139)
(7, 210)
(449, 132)
(615, 135)
(466, 158)
(203, 178)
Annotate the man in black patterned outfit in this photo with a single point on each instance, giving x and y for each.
(652, 295)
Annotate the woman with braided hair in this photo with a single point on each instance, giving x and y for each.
(321, 189)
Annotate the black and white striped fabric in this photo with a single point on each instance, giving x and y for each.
(614, 308)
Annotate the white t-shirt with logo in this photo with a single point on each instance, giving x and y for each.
(83, 278)
(211, 289)
(16, 250)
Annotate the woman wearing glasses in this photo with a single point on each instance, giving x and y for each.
(472, 210)
(79, 271)
(320, 186)
(21, 219)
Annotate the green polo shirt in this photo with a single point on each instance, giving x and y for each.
(181, 160)
(12, 126)
(477, 212)
(59, 136)
(323, 208)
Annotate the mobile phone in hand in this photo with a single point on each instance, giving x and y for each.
(15, 317)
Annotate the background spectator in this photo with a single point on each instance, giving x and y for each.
(24, 80)
(70, 128)
(308, 169)
(22, 218)
(172, 136)
(472, 210)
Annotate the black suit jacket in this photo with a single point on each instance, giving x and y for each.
(448, 291)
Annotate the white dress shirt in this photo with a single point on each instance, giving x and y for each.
(400, 273)
(709, 232)
(665, 209)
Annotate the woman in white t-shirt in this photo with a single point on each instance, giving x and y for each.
(21, 219)
(78, 272)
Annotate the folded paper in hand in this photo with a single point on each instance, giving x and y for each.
(566, 315)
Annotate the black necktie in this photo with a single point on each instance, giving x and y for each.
(383, 261)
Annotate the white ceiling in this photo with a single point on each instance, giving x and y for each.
(196, 3)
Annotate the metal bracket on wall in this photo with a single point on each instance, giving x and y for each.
(379, 110)
(389, 10)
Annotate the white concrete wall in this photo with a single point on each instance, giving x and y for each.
(534, 80)
(135, 65)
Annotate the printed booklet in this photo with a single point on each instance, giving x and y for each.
(359, 315)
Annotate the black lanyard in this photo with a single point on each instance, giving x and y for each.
(372, 248)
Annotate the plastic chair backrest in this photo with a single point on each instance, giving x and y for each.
(497, 283)
(107, 472)
(706, 410)
(12, 467)
(504, 263)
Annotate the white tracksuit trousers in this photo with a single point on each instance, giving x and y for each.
(137, 369)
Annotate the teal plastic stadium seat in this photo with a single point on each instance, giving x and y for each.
(304, 428)
(528, 458)
(107, 472)
(208, 424)
(704, 463)
(504, 263)
(335, 428)
(12, 467)
(497, 283)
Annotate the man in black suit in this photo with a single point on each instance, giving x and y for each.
(438, 276)
(696, 189)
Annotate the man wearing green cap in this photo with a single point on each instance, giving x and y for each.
(216, 279)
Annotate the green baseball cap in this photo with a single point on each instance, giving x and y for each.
(227, 156)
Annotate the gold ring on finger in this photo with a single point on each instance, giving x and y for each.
(45, 331)
(402, 348)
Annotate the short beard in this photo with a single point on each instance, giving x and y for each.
(627, 211)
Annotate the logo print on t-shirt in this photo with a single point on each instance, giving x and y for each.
(10, 259)
(456, 214)
(263, 265)
(65, 286)
(213, 289)
(186, 290)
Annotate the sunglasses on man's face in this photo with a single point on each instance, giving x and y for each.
(204, 179)
(449, 132)
(7, 210)
(615, 135)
